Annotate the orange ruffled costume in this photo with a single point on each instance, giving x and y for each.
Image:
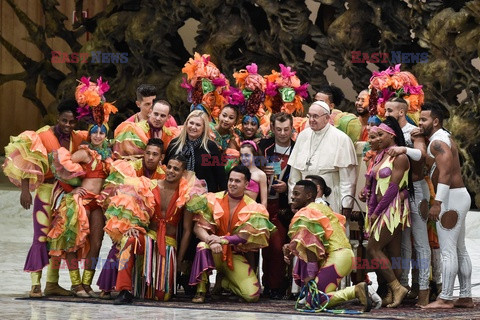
(250, 222)
(131, 139)
(70, 227)
(132, 200)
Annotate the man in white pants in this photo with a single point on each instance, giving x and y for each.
(416, 151)
(449, 209)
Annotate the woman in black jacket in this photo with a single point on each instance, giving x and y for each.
(204, 158)
(203, 155)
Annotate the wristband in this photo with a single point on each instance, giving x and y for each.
(442, 192)
(414, 154)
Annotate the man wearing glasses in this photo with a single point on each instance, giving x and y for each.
(326, 151)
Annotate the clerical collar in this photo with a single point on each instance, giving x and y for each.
(321, 131)
(234, 197)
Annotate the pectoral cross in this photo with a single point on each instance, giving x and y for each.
(308, 163)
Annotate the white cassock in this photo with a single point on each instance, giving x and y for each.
(328, 153)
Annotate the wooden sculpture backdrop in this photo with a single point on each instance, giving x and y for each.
(238, 32)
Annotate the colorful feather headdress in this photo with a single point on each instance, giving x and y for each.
(92, 105)
(252, 88)
(390, 82)
(284, 92)
(205, 84)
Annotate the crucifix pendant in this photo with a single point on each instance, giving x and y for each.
(308, 163)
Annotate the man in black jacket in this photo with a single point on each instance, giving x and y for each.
(276, 151)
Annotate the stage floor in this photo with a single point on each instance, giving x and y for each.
(15, 240)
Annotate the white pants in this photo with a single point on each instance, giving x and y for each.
(455, 258)
(420, 239)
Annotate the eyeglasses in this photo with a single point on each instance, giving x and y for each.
(316, 116)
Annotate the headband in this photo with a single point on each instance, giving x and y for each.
(386, 128)
(374, 119)
(95, 127)
(250, 142)
(322, 104)
(248, 117)
(374, 129)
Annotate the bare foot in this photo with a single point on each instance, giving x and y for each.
(463, 303)
(439, 304)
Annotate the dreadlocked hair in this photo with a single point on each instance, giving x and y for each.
(254, 102)
(197, 94)
(372, 102)
(277, 103)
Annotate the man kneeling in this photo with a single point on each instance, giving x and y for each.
(229, 223)
(324, 253)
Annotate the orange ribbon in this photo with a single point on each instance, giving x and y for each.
(161, 232)
(227, 254)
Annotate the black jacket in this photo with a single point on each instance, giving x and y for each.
(267, 147)
(208, 166)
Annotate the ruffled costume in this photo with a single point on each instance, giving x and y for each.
(319, 230)
(136, 204)
(70, 226)
(310, 230)
(395, 212)
(121, 183)
(26, 157)
(347, 122)
(222, 141)
(248, 230)
(131, 139)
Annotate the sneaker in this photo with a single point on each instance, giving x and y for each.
(376, 300)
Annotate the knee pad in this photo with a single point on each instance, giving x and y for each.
(423, 209)
(449, 219)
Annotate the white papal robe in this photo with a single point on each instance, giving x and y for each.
(332, 156)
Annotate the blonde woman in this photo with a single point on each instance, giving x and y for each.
(203, 155)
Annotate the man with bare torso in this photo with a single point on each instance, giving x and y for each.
(160, 237)
(449, 209)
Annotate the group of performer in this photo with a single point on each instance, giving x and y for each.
(242, 174)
